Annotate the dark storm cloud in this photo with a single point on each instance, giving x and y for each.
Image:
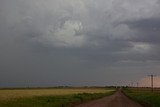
(148, 30)
(68, 42)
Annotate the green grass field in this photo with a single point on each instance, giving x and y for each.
(62, 97)
(144, 96)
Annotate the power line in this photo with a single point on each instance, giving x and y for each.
(152, 79)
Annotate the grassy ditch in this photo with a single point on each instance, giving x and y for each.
(53, 100)
(143, 96)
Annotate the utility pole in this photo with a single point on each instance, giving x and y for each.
(152, 78)
(137, 84)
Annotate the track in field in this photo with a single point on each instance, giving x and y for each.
(116, 100)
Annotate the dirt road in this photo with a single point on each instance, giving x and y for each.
(116, 100)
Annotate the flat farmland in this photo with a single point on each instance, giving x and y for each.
(144, 96)
(50, 97)
(9, 94)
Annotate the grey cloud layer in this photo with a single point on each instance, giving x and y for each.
(59, 37)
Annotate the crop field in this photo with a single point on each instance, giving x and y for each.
(144, 96)
(54, 97)
(21, 93)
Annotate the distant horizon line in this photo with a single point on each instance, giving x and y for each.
(51, 87)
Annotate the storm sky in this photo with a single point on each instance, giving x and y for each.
(78, 42)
